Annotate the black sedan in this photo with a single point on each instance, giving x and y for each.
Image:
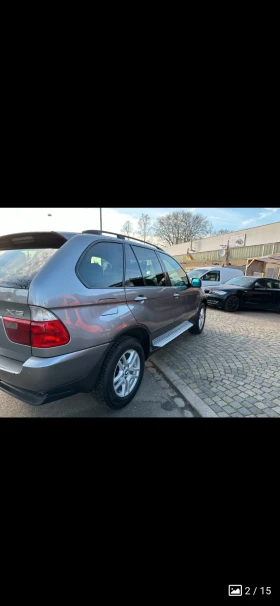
(245, 293)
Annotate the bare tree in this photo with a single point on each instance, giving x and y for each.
(127, 228)
(181, 226)
(218, 232)
(169, 228)
(223, 231)
(144, 226)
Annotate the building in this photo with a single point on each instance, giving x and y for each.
(248, 243)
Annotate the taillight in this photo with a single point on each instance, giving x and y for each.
(18, 331)
(44, 329)
(48, 334)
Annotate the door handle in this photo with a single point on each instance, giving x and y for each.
(140, 298)
(176, 295)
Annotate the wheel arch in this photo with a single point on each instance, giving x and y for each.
(139, 332)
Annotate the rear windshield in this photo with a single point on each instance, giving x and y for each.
(19, 267)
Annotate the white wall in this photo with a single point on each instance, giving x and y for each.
(265, 234)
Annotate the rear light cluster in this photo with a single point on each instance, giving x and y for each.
(43, 330)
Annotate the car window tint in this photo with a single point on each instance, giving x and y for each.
(213, 276)
(133, 275)
(19, 267)
(102, 266)
(176, 274)
(276, 284)
(269, 284)
(260, 284)
(150, 267)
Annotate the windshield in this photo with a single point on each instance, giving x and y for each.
(197, 273)
(19, 267)
(241, 281)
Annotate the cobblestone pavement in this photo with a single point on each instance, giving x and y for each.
(233, 366)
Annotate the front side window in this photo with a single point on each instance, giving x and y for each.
(102, 266)
(212, 276)
(175, 272)
(276, 284)
(262, 284)
(150, 266)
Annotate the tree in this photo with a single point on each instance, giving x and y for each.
(219, 232)
(144, 226)
(181, 226)
(127, 228)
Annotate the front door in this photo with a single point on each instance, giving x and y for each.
(260, 296)
(148, 293)
(211, 278)
(185, 297)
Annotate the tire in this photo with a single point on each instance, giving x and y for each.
(231, 304)
(199, 323)
(122, 351)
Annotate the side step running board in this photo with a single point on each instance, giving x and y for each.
(171, 334)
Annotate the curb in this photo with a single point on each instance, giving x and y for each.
(192, 398)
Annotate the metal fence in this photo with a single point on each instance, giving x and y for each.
(244, 252)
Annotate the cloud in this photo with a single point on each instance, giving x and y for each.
(260, 216)
(248, 221)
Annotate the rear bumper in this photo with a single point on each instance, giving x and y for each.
(35, 398)
(42, 380)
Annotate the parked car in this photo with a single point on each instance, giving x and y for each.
(246, 293)
(81, 312)
(214, 274)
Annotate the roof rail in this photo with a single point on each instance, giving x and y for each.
(99, 232)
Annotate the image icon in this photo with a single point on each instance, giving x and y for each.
(235, 590)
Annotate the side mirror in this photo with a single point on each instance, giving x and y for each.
(196, 282)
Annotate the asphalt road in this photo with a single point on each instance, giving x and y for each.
(155, 398)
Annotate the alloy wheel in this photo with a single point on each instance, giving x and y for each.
(126, 373)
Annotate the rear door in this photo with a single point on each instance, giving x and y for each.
(185, 298)
(148, 293)
(21, 257)
(276, 295)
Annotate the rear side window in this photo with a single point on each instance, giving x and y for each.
(19, 267)
(102, 266)
(276, 284)
(133, 275)
(150, 266)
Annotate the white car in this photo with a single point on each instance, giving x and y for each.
(215, 275)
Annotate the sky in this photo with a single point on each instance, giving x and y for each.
(14, 220)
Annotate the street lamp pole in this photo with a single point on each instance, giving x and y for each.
(100, 219)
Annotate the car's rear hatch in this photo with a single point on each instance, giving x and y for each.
(21, 258)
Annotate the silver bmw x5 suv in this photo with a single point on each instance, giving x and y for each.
(81, 312)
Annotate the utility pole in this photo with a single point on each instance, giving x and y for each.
(227, 253)
(100, 219)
